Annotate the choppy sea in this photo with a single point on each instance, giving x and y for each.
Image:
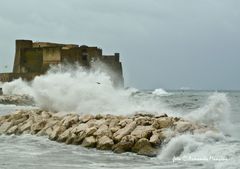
(219, 150)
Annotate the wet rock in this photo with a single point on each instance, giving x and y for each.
(26, 126)
(78, 137)
(12, 130)
(90, 131)
(5, 126)
(36, 127)
(70, 120)
(144, 147)
(103, 131)
(142, 131)
(85, 118)
(57, 130)
(183, 126)
(100, 122)
(114, 129)
(157, 138)
(144, 121)
(125, 144)
(18, 121)
(113, 122)
(16, 99)
(124, 131)
(65, 135)
(105, 143)
(81, 127)
(46, 115)
(144, 114)
(89, 142)
(124, 122)
(164, 122)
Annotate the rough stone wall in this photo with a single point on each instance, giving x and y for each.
(20, 44)
(47, 44)
(51, 55)
(31, 60)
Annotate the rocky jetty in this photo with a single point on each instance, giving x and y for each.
(16, 99)
(140, 133)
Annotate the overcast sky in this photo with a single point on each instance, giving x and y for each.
(163, 43)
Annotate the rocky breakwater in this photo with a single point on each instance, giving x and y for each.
(140, 133)
(16, 99)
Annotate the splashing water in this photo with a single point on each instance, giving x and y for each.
(160, 92)
(214, 113)
(212, 147)
(84, 91)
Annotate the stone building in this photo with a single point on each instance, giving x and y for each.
(34, 58)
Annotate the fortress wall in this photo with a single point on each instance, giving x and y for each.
(70, 55)
(20, 44)
(51, 55)
(93, 53)
(31, 60)
(113, 63)
(35, 58)
(48, 44)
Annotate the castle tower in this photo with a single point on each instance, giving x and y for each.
(20, 44)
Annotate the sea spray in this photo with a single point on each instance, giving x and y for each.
(207, 146)
(160, 92)
(216, 113)
(76, 89)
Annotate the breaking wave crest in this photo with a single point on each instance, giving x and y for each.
(209, 146)
(160, 92)
(79, 90)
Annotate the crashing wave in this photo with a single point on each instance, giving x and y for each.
(160, 92)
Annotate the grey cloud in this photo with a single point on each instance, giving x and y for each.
(169, 44)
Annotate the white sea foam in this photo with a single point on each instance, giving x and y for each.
(160, 92)
(210, 146)
(216, 112)
(75, 89)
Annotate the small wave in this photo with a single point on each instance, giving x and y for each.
(160, 92)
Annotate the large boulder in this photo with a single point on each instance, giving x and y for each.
(12, 130)
(144, 147)
(184, 126)
(124, 131)
(144, 120)
(26, 126)
(157, 137)
(70, 120)
(142, 131)
(57, 130)
(164, 122)
(85, 118)
(89, 142)
(103, 131)
(36, 127)
(105, 143)
(125, 144)
(5, 126)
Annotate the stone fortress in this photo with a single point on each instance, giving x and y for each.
(34, 58)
